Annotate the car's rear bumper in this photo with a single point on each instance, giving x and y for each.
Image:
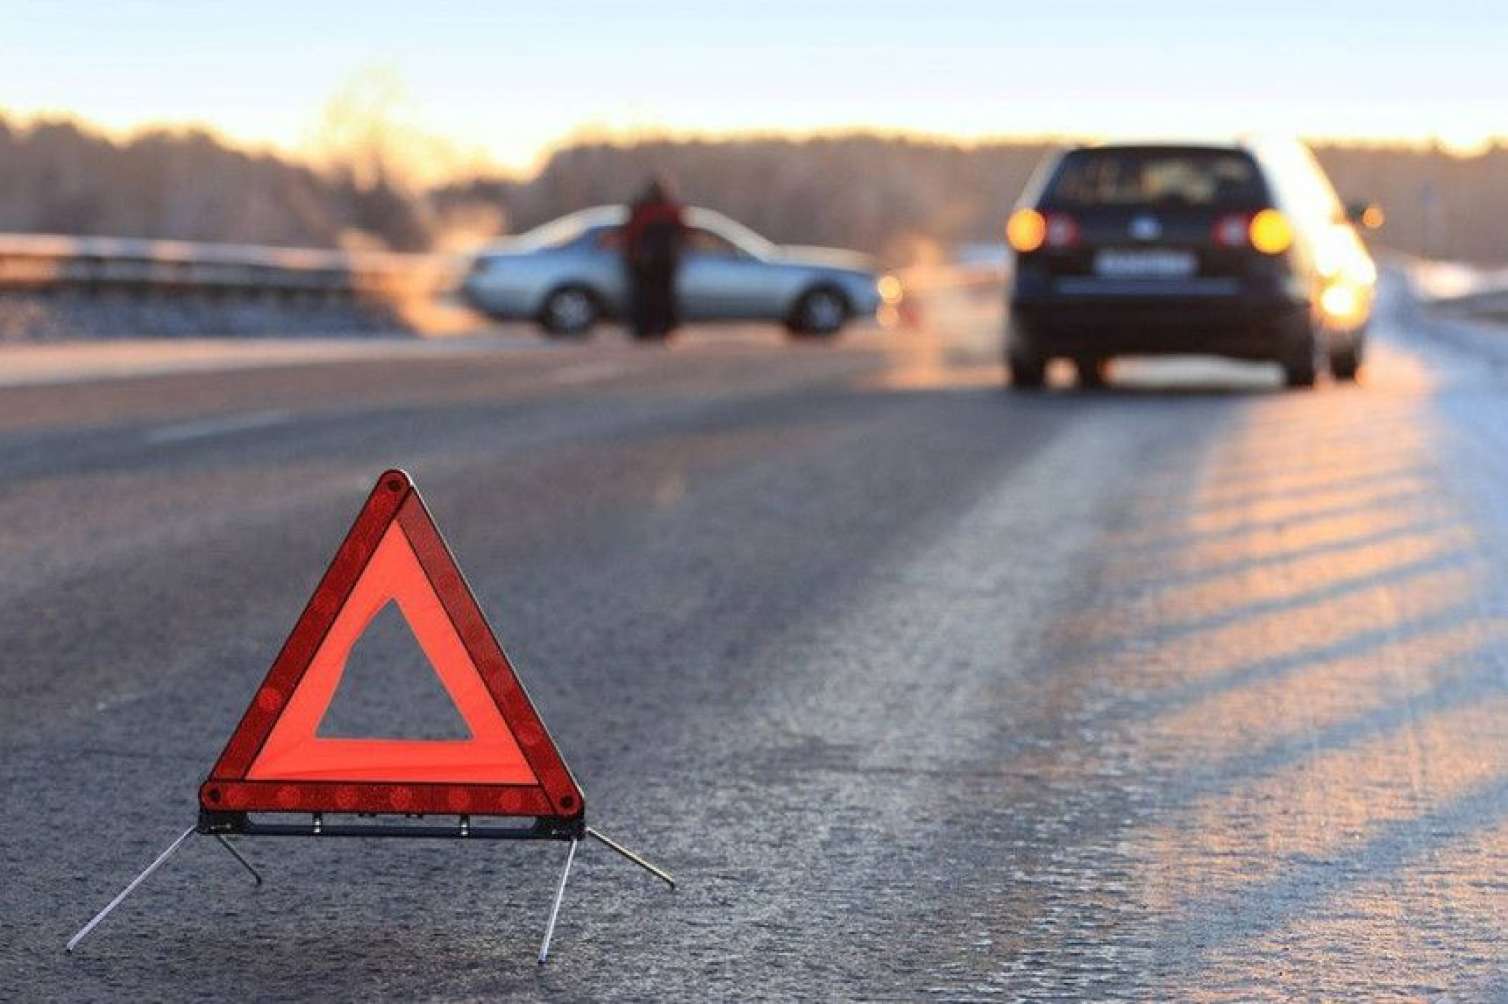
(1238, 326)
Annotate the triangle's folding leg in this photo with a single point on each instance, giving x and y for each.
(654, 870)
(544, 947)
(138, 880)
(256, 876)
(660, 873)
(128, 890)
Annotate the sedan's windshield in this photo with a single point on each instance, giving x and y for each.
(567, 229)
(603, 221)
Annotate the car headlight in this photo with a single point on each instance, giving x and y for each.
(1345, 304)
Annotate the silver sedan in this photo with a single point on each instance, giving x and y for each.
(568, 274)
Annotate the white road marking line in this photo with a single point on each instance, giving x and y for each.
(216, 426)
(30, 365)
(587, 373)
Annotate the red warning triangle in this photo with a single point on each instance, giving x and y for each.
(277, 762)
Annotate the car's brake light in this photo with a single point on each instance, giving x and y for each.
(1270, 232)
(1231, 230)
(1026, 230)
(1062, 231)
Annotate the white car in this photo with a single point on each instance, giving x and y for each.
(568, 274)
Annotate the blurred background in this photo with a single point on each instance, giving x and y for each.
(376, 126)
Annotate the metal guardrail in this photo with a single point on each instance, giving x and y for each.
(94, 265)
(1481, 303)
(1453, 286)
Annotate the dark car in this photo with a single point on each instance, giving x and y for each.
(1239, 250)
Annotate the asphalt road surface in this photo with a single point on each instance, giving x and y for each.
(1191, 688)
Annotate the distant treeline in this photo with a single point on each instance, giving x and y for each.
(896, 196)
(56, 177)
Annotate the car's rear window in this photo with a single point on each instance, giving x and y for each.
(1138, 177)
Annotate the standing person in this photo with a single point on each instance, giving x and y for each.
(652, 241)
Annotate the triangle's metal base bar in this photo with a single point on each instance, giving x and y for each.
(465, 827)
(544, 947)
(397, 830)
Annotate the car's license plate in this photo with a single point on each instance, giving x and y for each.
(1145, 264)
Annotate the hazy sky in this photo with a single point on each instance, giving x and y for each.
(511, 78)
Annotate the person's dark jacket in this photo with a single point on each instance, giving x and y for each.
(653, 236)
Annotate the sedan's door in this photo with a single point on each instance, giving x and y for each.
(720, 281)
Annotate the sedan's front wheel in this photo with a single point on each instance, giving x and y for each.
(569, 312)
(820, 313)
